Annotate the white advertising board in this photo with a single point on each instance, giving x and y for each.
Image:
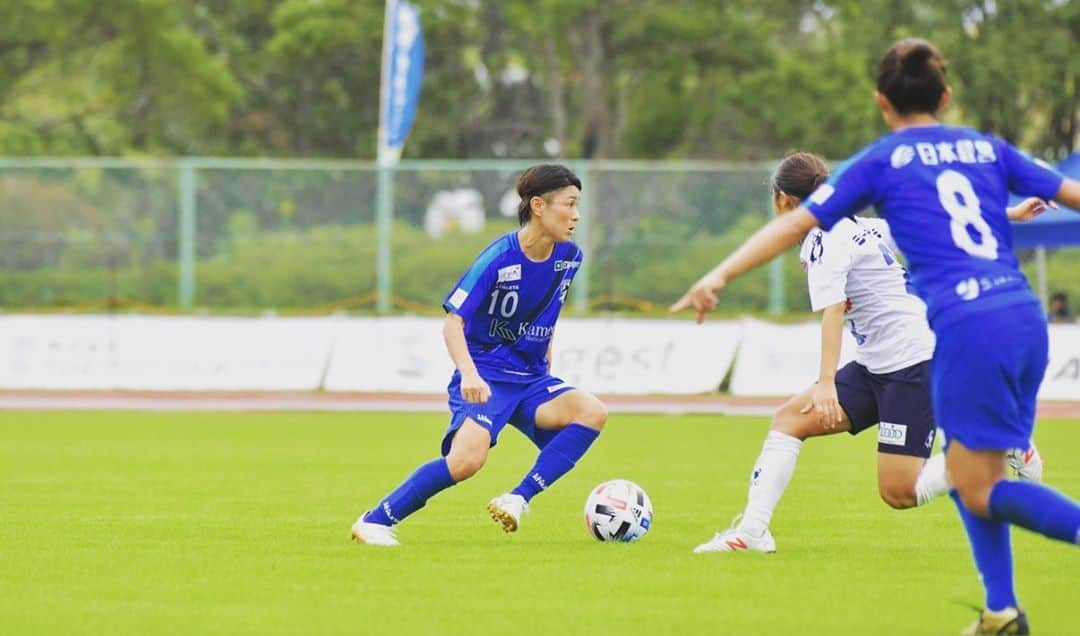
(163, 353)
(403, 354)
(601, 356)
(776, 360)
(644, 356)
(389, 354)
(1062, 380)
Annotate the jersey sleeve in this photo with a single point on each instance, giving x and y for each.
(1027, 176)
(828, 262)
(475, 283)
(848, 190)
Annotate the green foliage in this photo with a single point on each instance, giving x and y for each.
(742, 79)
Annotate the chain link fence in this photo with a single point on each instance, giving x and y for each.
(296, 237)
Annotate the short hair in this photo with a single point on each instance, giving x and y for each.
(538, 181)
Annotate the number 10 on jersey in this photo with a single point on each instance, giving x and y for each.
(508, 305)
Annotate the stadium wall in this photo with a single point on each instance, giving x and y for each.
(407, 355)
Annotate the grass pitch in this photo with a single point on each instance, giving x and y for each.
(238, 524)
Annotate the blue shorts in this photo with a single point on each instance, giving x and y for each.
(512, 403)
(987, 372)
(899, 402)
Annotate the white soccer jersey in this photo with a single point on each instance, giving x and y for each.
(853, 262)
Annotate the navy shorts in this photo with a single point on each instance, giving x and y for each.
(898, 402)
(513, 403)
(987, 372)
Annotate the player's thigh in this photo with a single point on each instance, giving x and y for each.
(573, 406)
(790, 419)
(897, 475)
(468, 449)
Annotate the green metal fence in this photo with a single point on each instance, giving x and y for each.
(225, 235)
(244, 236)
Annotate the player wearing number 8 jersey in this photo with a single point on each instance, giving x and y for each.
(854, 276)
(943, 191)
(499, 326)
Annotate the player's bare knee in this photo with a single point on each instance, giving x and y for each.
(898, 495)
(789, 422)
(975, 497)
(594, 414)
(465, 465)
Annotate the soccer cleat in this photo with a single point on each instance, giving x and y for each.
(373, 534)
(735, 539)
(1027, 464)
(1010, 620)
(507, 510)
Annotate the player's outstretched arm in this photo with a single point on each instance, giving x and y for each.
(1069, 193)
(772, 239)
(473, 387)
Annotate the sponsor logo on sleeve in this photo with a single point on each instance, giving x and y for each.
(564, 287)
(458, 297)
(892, 434)
(565, 265)
(509, 273)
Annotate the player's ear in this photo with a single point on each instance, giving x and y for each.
(882, 102)
(946, 97)
(784, 202)
(537, 203)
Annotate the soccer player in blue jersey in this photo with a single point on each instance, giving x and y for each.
(498, 330)
(943, 191)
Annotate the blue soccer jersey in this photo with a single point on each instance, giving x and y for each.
(944, 191)
(510, 304)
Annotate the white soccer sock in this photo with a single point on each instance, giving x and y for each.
(770, 478)
(933, 480)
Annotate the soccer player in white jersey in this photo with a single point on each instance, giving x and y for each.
(854, 276)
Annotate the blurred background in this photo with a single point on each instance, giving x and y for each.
(183, 156)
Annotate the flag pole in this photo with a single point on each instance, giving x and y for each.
(384, 196)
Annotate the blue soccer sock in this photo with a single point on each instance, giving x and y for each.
(1037, 508)
(412, 494)
(992, 549)
(556, 459)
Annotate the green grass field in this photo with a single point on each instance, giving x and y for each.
(238, 524)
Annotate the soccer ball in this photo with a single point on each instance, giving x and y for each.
(618, 510)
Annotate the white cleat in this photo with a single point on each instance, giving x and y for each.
(1027, 464)
(507, 510)
(735, 539)
(373, 534)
